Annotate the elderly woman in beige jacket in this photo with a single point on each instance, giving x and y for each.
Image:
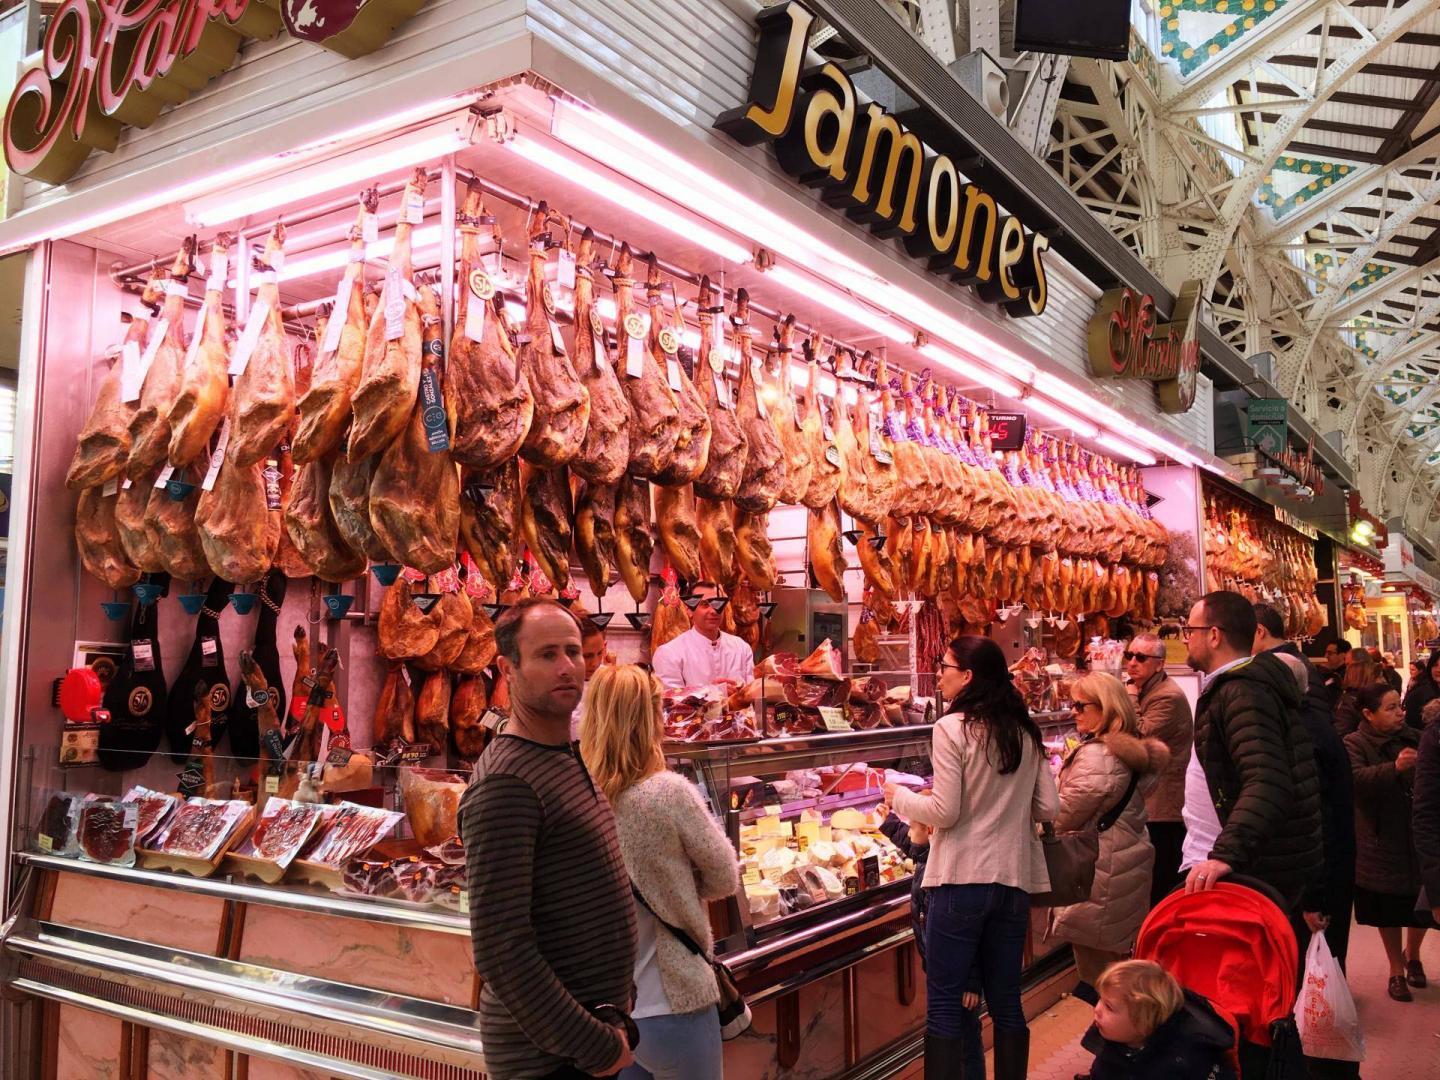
(677, 857)
(1095, 778)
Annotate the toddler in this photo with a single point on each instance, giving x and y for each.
(1148, 1028)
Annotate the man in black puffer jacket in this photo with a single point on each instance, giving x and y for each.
(1258, 760)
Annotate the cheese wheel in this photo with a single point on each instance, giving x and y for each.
(847, 819)
(764, 899)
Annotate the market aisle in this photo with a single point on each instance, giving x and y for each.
(1401, 1040)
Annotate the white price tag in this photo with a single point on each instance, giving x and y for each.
(143, 653)
(218, 457)
(672, 372)
(369, 228)
(125, 485)
(219, 270)
(194, 348)
(177, 288)
(339, 311)
(131, 374)
(556, 340)
(602, 361)
(634, 357)
(759, 397)
(277, 260)
(394, 300)
(475, 317)
(245, 347)
(112, 487)
(152, 346)
(565, 270)
(164, 478)
(722, 392)
(414, 207)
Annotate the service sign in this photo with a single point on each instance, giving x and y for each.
(880, 173)
(1128, 341)
(109, 64)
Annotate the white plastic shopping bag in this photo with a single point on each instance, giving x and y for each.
(1325, 1013)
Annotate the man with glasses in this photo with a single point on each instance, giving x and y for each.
(1258, 785)
(704, 655)
(1164, 714)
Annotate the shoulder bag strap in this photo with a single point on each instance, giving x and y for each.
(1113, 814)
(679, 935)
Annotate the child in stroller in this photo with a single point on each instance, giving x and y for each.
(1147, 1026)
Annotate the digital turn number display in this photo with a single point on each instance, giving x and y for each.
(1007, 430)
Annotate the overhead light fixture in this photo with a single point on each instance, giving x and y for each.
(1125, 449)
(597, 183)
(421, 240)
(841, 304)
(356, 167)
(1060, 416)
(976, 373)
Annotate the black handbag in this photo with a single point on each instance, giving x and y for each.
(1070, 857)
(732, 1009)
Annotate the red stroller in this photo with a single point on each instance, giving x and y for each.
(1234, 945)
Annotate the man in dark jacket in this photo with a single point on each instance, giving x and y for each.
(1164, 713)
(1337, 786)
(1258, 761)
(1422, 691)
(1426, 820)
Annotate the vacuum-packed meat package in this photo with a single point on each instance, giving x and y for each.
(452, 898)
(282, 831)
(349, 831)
(451, 852)
(199, 828)
(59, 832)
(107, 831)
(415, 879)
(432, 802)
(155, 808)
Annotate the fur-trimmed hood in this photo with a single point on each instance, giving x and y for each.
(1144, 756)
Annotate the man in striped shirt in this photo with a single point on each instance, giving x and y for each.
(551, 919)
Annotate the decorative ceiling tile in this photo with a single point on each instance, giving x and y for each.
(1193, 31)
(1294, 180)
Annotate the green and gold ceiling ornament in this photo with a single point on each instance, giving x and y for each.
(1194, 31)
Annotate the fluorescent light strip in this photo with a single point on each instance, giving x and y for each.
(1124, 449)
(1060, 416)
(958, 365)
(599, 184)
(841, 304)
(422, 239)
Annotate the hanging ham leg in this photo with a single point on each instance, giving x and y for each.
(390, 372)
(655, 418)
(467, 708)
(136, 538)
(205, 379)
(562, 404)
(104, 441)
(350, 507)
(432, 712)
(99, 542)
(545, 517)
(692, 447)
(595, 535)
(720, 479)
(150, 423)
(794, 445)
(764, 472)
(825, 461)
(856, 497)
(237, 530)
(324, 409)
(605, 451)
(753, 552)
(634, 543)
(716, 521)
(312, 528)
(487, 396)
(827, 555)
(263, 399)
(415, 494)
(679, 533)
(490, 519)
(174, 536)
(395, 709)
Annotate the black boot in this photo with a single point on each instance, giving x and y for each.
(945, 1059)
(1012, 1054)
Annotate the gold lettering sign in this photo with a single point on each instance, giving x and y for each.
(1127, 341)
(879, 172)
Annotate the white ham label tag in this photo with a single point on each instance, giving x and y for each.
(672, 372)
(131, 374)
(176, 288)
(194, 348)
(556, 341)
(338, 313)
(164, 478)
(394, 305)
(219, 270)
(475, 318)
(565, 270)
(759, 397)
(112, 487)
(414, 207)
(125, 486)
(245, 347)
(369, 228)
(152, 346)
(722, 392)
(218, 457)
(144, 655)
(634, 346)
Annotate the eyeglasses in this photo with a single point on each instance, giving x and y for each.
(1188, 630)
(1081, 706)
(1138, 656)
(943, 664)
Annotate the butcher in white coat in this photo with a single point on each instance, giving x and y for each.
(704, 655)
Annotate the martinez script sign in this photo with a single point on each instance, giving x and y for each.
(112, 63)
(1127, 341)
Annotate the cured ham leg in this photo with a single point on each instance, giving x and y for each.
(104, 441)
(237, 530)
(545, 517)
(350, 507)
(324, 409)
(827, 555)
(692, 448)
(490, 518)
(403, 630)
(720, 479)
(753, 553)
(825, 460)
(390, 372)
(205, 380)
(634, 543)
(794, 445)
(764, 472)
(679, 533)
(487, 396)
(605, 452)
(415, 494)
(99, 542)
(855, 494)
(595, 535)
(655, 417)
(289, 559)
(562, 404)
(263, 399)
(174, 536)
(468, 702)
(150, 423)
(716, 521)
(312, 528)
(432, 712)
(874, 562)
(136, 539)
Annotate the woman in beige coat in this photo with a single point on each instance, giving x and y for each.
(1094, 779)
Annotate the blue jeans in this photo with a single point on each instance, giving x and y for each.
(678, 1047)
(981, 925)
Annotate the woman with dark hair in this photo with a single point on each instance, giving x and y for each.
(1423, 690)
(1361, 673)
(992, 783)
(1383, 753)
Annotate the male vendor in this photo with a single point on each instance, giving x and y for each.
(704, 655)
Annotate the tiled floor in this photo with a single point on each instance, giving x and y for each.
(1402, 1040)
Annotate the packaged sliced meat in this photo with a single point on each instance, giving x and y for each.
(282, 831)
(107, 831)
(350, 831)
(414, 879)
(155, 808)
(200, 827)
(59, 832)
(447, 876)
(451, 852)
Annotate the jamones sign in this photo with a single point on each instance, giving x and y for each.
(880, 173)
(111, 63)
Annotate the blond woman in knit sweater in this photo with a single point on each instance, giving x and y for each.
(678, 859)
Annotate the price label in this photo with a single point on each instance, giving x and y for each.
(219, 456)
(340, 309)
(369, 227)
(208, 648)
(112, 487)
(773, 811)
(556, 341)
(414, 207)
(597, 342)
(219, 269)
(759, 397)
(493, 720)
(432, 406)
(833, 717)
(464, 902)
(394, 305)
(272, 785)
(144, 653)
(751, 876)
(46, 844)
(722, 391)
(565, 270)
(245, 347)
(131, 376)
(672, 373)
(164, 478)
(194, 348)
(131, 391)
(634, 346)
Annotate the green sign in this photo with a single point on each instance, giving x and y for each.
(1267, 420)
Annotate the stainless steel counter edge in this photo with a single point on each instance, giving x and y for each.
(324, 903)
